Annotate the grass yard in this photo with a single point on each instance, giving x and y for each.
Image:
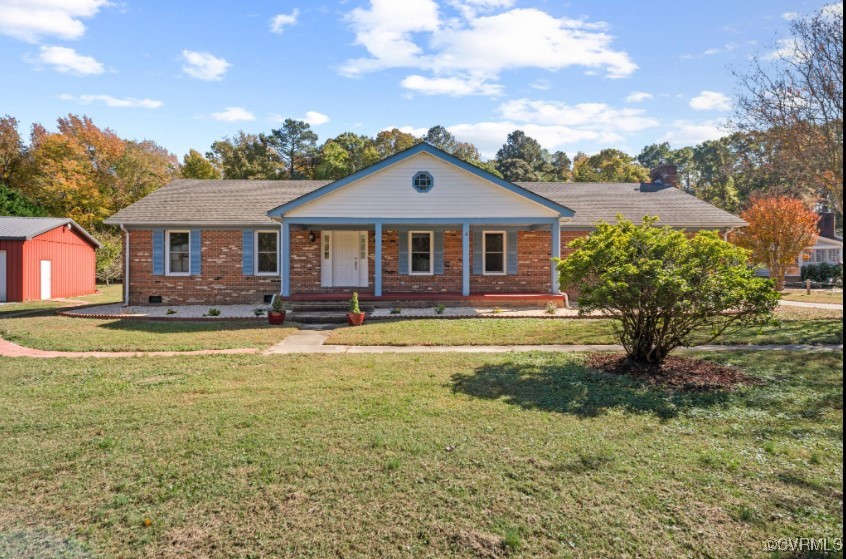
(62, 333)
(464, 455)
(798, 325)
(816, 296)
(107, 294)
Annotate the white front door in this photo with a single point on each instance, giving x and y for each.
(344, 259)
(46, 279)
(2, 275)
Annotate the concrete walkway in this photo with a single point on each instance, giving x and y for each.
(831, 306)
(10, 349)
(313, 340)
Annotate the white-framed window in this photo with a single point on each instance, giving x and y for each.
(493, 252)
(178, 251)
(420, 249)
(267, 253)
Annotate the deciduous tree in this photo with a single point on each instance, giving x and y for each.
(796, 97)
(246, 156)
(610, 165)
(780, 230)
(195, 166)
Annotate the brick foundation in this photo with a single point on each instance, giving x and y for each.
(222, 281)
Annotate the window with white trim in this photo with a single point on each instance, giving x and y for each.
(493, 252)
(267, 253)
(420, 252)
(178, 252)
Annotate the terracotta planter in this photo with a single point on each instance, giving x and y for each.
(355, 319)
(276, 318)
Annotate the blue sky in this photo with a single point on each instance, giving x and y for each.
(579, 75)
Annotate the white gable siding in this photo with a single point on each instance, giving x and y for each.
(388, 193)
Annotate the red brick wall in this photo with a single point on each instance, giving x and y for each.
(221, 281)
(534, 273)
(568, 237)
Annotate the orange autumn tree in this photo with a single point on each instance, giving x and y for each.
(780, 230)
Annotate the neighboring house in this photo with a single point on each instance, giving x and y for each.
(45, 257)
(419, 224)
(828, 248)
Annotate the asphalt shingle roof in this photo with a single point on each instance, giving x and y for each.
(603, 201)
(13, 228)
(242, 202)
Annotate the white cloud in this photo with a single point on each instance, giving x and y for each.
(66, 60)
(32, 20)
(476, 48)
(588, 116)
(280, 21)
(115, 102)
(204, 65)
(711, 101)
(233, 114)
(786, 49)
(315, 118)
(687, 133)
(455, 87)
(555, 125)
(789, 16)
(638, 97)
(541, 84)
(728, 47)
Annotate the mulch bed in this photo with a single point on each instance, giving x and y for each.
(677, 373)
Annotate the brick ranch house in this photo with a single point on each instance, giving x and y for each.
(421, 224)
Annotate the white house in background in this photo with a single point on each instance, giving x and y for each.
(828, 248)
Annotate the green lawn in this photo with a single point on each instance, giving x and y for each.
(106, 294)
(798, 325)
(63, 333)
(465, 455)
(816, 296)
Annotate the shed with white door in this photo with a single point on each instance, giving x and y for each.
(45, 258)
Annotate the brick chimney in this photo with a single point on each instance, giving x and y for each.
(665, 174)
(826, 224)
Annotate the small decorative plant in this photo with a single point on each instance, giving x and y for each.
(355, 317)
(171, 311)
(497, 310)
(551, 308)
(396, 310)
(276, 315)
(214, 312)
(258, 312)
(440, 308)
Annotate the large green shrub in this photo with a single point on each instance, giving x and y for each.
(663, 286)
(823, 272)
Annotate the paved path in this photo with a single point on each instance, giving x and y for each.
(313, 341)
(832, 306)
(10, 349)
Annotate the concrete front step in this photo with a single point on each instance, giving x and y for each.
(324, 307)
(318, 317)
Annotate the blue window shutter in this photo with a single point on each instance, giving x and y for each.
(511, 265)
(196, 252)
(477, 253)
(403, 253)
(158, 252)
(247, 250)
(438, 250)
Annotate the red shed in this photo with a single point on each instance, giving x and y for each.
(44, 258)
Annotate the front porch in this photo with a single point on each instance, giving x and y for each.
(495, 262)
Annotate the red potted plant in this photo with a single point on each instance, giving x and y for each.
(355, 317)
(276, 314)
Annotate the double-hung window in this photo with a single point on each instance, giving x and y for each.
(267, 253)
(178, 253)
(493, 247)
(420, 252)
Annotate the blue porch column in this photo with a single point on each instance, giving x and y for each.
(285, 264)
(377, 268)
(465, 259)
(556, 253)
